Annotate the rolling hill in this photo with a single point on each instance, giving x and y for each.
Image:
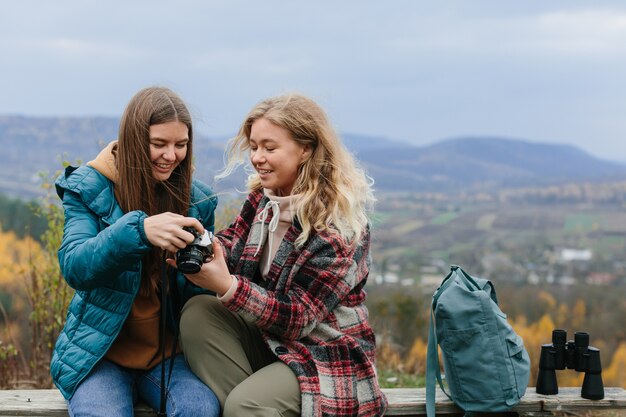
(484, 163)
(39, 144)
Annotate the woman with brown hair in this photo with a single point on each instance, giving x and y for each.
(124, 213)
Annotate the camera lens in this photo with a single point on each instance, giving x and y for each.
(189, 260)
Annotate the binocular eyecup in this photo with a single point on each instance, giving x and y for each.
(574, 354)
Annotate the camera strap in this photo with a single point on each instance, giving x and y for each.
(162, 330)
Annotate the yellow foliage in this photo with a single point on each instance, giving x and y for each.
(534, 335)
(416, 359)
(545, 327)
(548, 299)
(570, 378)
(387, 357)
(562, 315)
(16, 256)
(579, 312)
(521, 321)
(615, 374)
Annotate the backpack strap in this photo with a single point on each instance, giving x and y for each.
(433, 370)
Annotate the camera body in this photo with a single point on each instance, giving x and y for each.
(189, 259)
(573, 354)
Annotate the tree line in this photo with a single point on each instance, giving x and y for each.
(24, 218)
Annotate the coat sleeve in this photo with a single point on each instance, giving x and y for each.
(90, 257)
(329, 272)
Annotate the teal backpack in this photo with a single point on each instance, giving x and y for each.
(486, 365)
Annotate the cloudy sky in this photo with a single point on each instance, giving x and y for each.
(411, 70)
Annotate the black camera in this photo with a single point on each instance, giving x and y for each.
(573, 354)
(189, 259)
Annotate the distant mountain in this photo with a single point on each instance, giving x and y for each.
(478, 162)
(353, 141)
(361, 143)
(38, 144)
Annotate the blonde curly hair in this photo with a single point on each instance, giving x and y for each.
(334, 193)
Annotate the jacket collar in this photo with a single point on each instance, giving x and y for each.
(94, 183)
(104, 163)
(258, 233)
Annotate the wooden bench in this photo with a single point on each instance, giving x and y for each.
(409, 402)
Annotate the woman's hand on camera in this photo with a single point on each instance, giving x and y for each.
(214, 275)
(165, 230)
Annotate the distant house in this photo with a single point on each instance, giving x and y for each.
(495, 261)
(567, 280)
(600, 278)
(430, 281)
(533, 278)
(572, 255)
(387, 278)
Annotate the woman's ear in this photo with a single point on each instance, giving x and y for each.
(306, 153)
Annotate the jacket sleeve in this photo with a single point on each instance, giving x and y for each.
(90, 257)
(329, 272)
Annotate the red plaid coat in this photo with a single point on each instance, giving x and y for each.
(310, 311)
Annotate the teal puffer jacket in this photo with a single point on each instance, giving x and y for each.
(100, 257)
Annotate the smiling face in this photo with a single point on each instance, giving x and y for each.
(168, 148)
(276, 156)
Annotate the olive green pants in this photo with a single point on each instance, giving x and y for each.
(230, 356)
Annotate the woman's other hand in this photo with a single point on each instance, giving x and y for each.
(165, 230)
(214, 275)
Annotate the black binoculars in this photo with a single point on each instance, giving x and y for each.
(573, 354)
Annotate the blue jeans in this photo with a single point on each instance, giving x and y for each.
(111, 390)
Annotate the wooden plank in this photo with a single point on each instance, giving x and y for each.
(408, 402)
(411, 402)
(32, 402)
(569, 399)
(44, 402)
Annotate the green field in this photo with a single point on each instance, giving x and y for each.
(519, 234)
(444, 218)
(583, 222)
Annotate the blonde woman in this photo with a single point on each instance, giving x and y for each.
(288, 333)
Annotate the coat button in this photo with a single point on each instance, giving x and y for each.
(281, 350)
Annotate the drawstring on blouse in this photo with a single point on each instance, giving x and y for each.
(274, 206)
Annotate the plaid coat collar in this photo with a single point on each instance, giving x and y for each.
(276, 280)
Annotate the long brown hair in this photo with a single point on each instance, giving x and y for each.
(136, 188)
